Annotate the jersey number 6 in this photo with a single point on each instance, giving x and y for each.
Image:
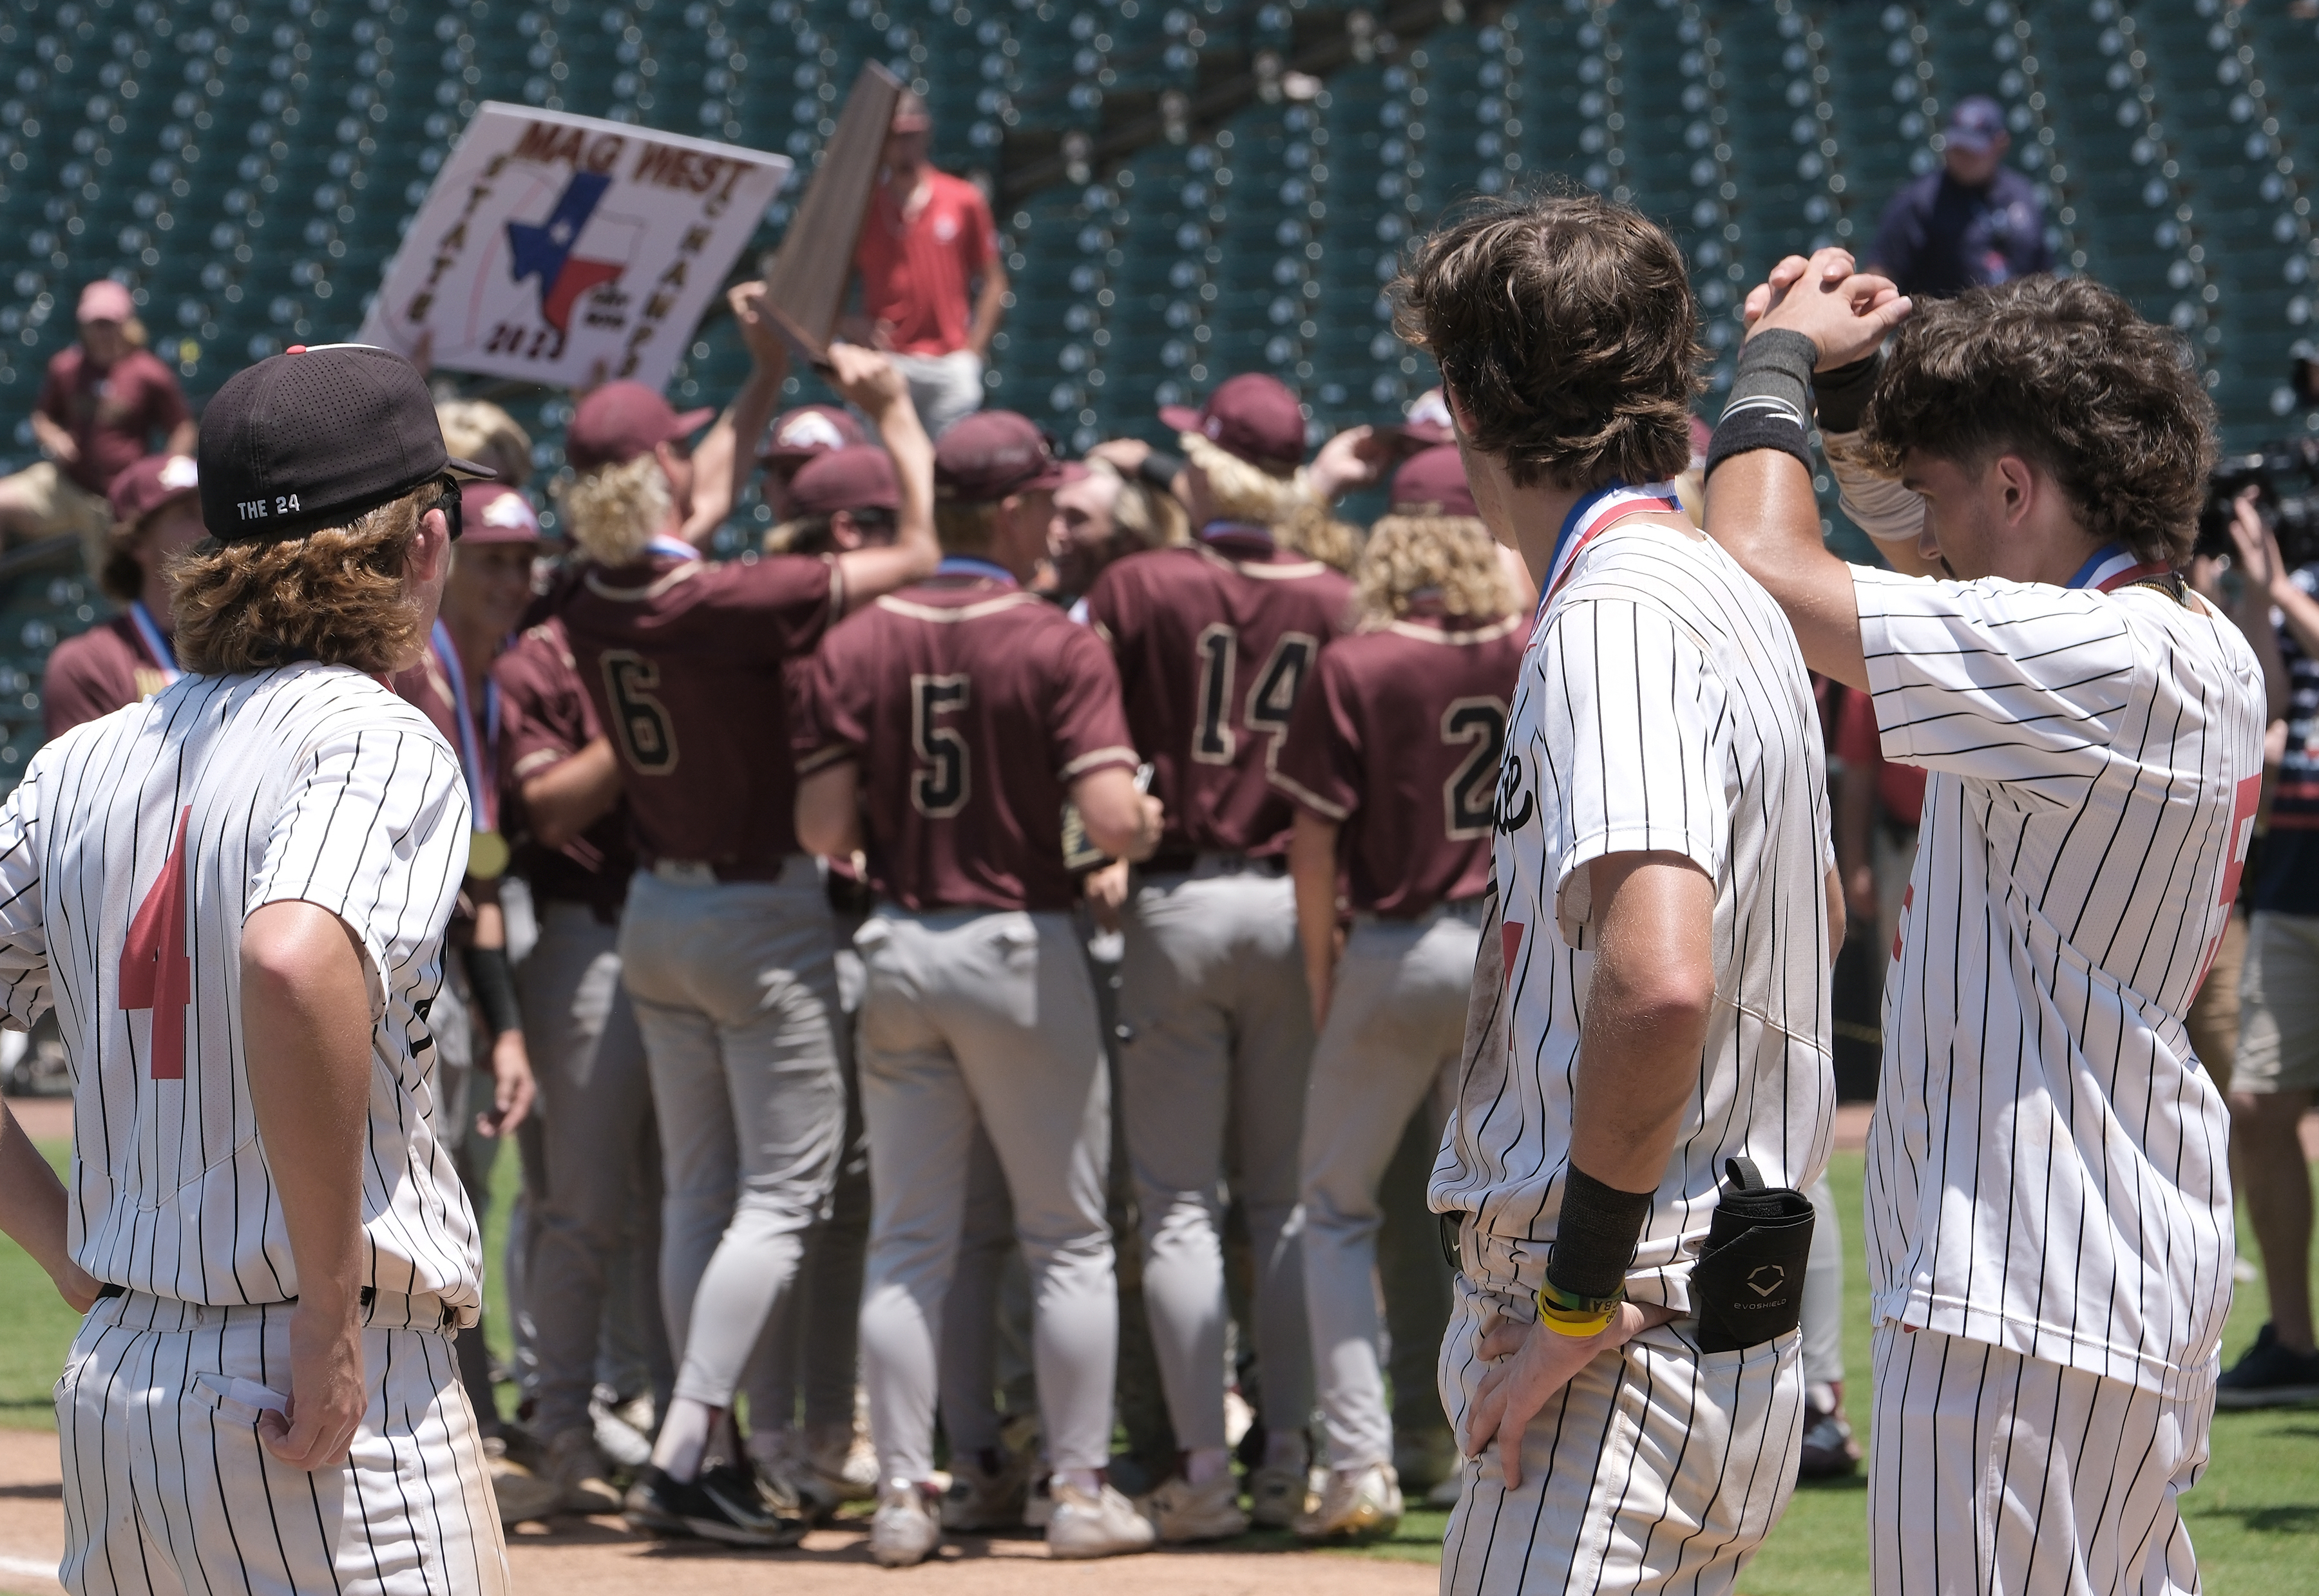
(639, 720)
(154, 973)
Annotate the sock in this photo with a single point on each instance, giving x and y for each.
(1203, 1464)
(1088, 1482)
(1284, 1449)
(683, 1438)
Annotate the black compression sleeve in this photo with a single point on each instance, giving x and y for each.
(1594, 1237)
(1160, 469)
(1843, 394)
(492, 980)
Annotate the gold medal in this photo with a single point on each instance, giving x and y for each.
(487, 855)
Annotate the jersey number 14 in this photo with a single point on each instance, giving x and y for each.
(154, 973)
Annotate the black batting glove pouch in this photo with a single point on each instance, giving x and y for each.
(1747, 1287)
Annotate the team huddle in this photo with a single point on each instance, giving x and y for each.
(814, 840)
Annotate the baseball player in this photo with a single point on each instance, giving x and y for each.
(1650, 1008)
(1392, 762)
(799, 437)
(1214, 642)
(951, 723)
(2049, 1207)
(725, 944)
(235, 895)
(156, 518)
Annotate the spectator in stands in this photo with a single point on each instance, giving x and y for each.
(932, 287)
(156, 518)
(104, 399)
(1974, 221)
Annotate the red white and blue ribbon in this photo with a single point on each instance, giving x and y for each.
(479, 748)
(674, 548)
(968, 566)
(1614, 501)
(165, 658)
(2112, 566)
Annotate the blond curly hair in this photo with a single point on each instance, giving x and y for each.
(614, 512)
(1452, 557)
(1283, 501)
(336, 595)
(479, 430)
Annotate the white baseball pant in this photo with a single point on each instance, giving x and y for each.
(1396, 1022)
(1992, 1473)
(972, 1017)
(735, 991)
(168, 1490)
(1657, 1468)
(1217, 1044)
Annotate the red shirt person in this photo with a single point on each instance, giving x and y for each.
(156, 516)
(104, 399)
(932, 287)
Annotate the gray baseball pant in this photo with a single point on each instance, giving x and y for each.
(984, 1360)
(1396, 1024)
(1217, 1039)
(974, 1016)
(735, 993)
(595, 1094)
(1823, 1320)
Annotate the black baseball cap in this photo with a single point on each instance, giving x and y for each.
(315, 436)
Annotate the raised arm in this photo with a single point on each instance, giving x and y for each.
(722, 463)
(874, 386)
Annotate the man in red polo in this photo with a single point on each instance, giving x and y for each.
(932, 287)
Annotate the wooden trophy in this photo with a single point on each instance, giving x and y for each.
(805, 281)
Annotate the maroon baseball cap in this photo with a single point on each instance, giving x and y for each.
(620, 421)
(493, 512)
(1251, 415)
(987, 455)
(810, 429)
(860, 476)
(153, 482)
(1434, 483)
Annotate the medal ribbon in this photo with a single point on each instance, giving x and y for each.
(164, 656)
(675, 548)
(969, 567)
(2112, 566)
(481, 762)
(1613, 501)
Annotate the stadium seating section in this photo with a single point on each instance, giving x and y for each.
(248, 167)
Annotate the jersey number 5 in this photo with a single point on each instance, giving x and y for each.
(1468, 798)
(639, 720)
(154, 973)
(940, 783)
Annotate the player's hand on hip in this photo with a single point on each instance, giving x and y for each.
(326, 1395)
(1528, 1363)
(1845, 313)
(77, 1285)
(511, 1086)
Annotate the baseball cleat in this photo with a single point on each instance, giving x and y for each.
(2268, 1375)
(987, 1492)
(1103, 1525)
(906, 1526)
(726, 1505)
(577, 1471)
(1355, 1504)
(1276, 1496)
(1181, 1511)
(523, 1496)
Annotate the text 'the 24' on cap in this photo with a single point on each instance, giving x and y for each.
(316, 437)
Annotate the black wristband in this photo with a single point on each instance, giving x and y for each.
(1159, 470)
(1752, 429)
(1843, 394)
(1771, 400)
(492, 978)
(1594, 1237)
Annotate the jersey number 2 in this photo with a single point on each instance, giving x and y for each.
(1468, 798)
(154, 973)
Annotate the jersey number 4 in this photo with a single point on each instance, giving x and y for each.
(639, 720)
(1271, 702)
(941, 780)
(154, 973)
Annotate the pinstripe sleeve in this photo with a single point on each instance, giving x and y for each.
(373, 829)
(23, 929)
(1634, 723)
(2013, 683)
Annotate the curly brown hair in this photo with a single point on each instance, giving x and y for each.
(334, 595)
(2061, 372)
(1565, 333)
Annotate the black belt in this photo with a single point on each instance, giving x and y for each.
(113, 1288)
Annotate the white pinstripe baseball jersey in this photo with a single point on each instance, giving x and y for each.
(130, 856)
(1662, 707)
(2048, 1167)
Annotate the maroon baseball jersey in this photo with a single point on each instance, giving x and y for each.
(682, 659)
(105, 668)
(1214, 643)
(1398, 740)
(971, 706)
(545, 718)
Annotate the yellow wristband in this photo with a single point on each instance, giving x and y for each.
(1580, 1326)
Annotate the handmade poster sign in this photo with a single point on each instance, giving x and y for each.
(570, 250)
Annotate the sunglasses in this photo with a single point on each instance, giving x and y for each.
(450, 507)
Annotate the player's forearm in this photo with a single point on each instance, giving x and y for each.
(829, 813)
(1313, 871)
(31, 1199)
(1119, 820)
(1647, 1007)
(306, 1025)
(722, 462)
(53, 439)
(1761, 508)
(872, 572)
(2252, 614)
(571, 796)
(184, 437)
(990, 307)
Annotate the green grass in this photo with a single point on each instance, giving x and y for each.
(2254, 1519)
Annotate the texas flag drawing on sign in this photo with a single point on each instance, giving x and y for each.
(544, 250)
